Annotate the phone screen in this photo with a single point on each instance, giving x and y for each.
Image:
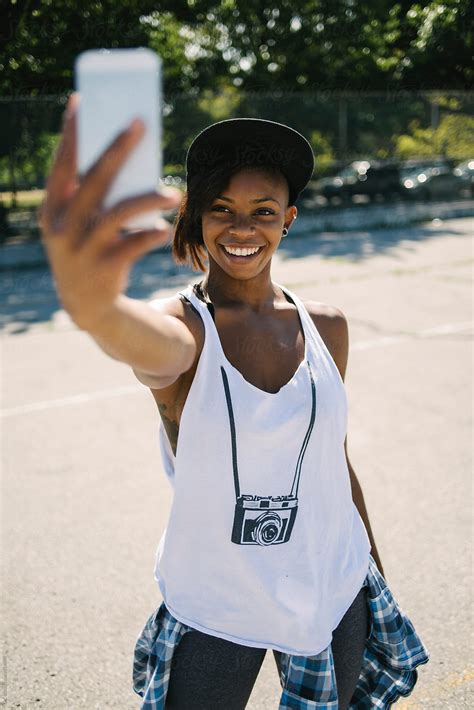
(116, 86)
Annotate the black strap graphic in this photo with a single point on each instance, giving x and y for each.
(232, 432)
(199, 292)
(296, 480)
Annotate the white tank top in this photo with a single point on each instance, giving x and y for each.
(264, 545)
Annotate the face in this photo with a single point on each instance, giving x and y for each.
(248, 217)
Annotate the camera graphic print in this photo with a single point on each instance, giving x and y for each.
(265, 520)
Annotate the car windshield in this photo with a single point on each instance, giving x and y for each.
(348, 172)
(467, 166)
(410, 172)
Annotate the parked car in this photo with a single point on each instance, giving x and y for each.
(363, 177)
(465, 171)
(431, 183)
(421, 164)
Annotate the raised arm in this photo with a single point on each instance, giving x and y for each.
(158, 347)
(91, 259)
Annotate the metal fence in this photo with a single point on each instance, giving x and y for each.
(342, 126)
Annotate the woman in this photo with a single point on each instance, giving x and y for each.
(268, 543)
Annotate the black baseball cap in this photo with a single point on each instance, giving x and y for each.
(244, 142)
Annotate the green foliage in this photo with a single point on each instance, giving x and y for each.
(189, 51)
(219, 106)
(417, 144)
(42, 38)
(439, 54)
(453, 138)
(289, 62)
(323, 151)
(31, 166)
(314, 45)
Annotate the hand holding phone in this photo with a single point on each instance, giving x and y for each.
(89, 257)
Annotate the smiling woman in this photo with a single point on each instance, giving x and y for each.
(283, 561)
(217, 155)
(268, 544)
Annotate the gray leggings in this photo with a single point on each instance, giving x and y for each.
(209, 673)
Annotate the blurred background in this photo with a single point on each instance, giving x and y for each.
(383, 90)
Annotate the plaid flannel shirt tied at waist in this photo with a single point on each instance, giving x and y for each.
(392, 652)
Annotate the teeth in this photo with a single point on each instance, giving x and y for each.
(241, 252)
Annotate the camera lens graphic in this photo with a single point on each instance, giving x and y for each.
(267, 528)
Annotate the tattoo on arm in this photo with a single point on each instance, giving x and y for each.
(171, 428)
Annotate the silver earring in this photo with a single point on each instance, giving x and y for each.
(285, 232)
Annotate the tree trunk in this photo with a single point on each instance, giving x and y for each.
(11, 170)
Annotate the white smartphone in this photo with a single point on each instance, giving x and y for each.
(115, 86)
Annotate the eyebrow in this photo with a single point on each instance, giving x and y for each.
(259, 199)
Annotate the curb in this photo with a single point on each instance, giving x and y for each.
(380, 216)
(31, 255)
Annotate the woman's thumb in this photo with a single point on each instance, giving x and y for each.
(136, 245)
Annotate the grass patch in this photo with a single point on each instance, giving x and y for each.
(26, 199)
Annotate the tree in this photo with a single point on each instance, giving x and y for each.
(316, 45)
(453, 138)
(310, 65)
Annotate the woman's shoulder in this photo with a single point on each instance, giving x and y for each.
(331, 324)
(325, 312)
(179, 307)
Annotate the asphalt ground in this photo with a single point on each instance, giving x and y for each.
(84, 498)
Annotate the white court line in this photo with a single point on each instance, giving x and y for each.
(74, 399)
(132, 389)
(449, 328)
(427, 333)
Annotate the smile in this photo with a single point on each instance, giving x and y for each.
(242, 252)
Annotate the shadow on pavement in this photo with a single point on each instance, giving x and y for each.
(28, 297)
(361, 245)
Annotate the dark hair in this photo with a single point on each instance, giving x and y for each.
(188, 243)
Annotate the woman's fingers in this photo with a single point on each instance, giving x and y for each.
(75, 211)
(61, 182)
(111, 222)
(98, 179)
(133, 246)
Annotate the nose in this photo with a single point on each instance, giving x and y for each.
(241, 225)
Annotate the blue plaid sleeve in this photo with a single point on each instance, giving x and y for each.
(308, 682)
(153, 656)
(392, 652)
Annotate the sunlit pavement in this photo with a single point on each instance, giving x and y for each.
(85, 499)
